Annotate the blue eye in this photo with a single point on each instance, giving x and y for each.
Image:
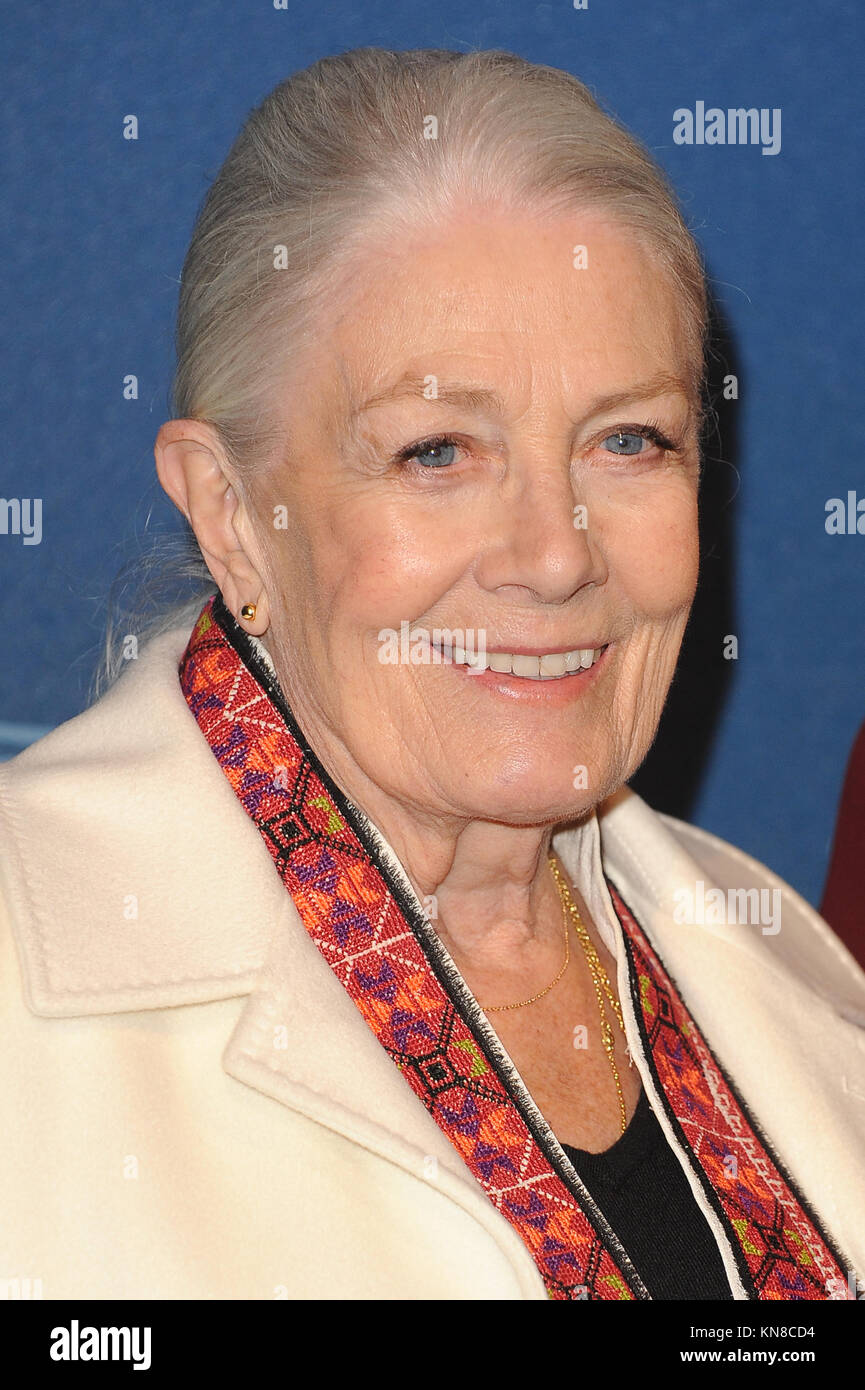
(439, 450)
(625, 440)
(439, 454)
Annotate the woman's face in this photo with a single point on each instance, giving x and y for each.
(553, 383)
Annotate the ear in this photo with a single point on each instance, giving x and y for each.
(195, 471)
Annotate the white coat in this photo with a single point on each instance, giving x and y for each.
(156, 1145)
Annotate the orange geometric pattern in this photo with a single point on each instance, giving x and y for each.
(780, 1250)
(385, 954)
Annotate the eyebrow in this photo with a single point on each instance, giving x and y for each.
(478, 398)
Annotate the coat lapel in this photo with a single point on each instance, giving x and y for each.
(168, 918)
(360, 912)
(781, 1015)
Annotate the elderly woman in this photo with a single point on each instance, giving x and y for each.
(340, 960)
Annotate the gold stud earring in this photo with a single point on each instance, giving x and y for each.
(247, 612)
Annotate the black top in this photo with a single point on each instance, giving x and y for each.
(640, 1186)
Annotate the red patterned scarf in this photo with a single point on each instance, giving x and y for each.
(375, 937)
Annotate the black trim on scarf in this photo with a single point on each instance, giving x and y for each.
(843, 1261)
(428, 940)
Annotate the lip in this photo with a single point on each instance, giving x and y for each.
(552, 694)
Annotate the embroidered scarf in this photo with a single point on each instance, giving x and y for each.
(377, 939)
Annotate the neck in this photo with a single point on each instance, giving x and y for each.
(493, 892)
(486, 885)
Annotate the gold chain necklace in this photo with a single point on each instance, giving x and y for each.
(602, 985)
(600, 980)
(500, 1008)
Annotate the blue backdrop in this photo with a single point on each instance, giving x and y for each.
(92, 247)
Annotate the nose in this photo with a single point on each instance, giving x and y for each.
(538, 544)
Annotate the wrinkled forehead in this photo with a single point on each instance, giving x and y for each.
(524, 311)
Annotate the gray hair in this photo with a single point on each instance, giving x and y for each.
(339, 152)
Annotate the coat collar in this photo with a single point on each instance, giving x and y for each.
(134, 877)
(135, 880)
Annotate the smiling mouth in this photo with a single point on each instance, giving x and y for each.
(548, 666)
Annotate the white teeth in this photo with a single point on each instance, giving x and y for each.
(526, 666)
(549, 667)
(479, 661)
(553, 665)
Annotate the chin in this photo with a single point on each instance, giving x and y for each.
(534, 802)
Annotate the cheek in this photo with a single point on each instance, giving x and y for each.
(652, 548)
(380, 564)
